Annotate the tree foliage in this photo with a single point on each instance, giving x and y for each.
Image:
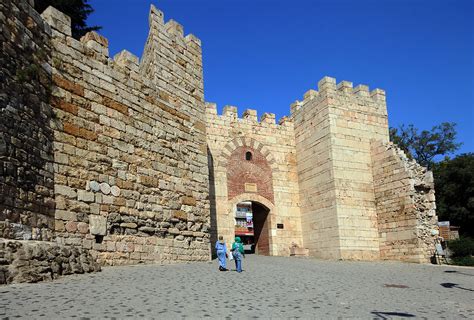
(424, 146)
(77, 10)
(454, 184)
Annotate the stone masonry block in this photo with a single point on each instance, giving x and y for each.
(126, 59)
(65, 191)
(98, 225)
(85, 196)
(327, 84)
(250, 114)
(175, 28)
(96, 42)
(230, 111)
(57, 20)
(268, 118)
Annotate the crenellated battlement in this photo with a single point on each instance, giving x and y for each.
(327, 87)
(230, 113)
(173, 28)
(167, 53)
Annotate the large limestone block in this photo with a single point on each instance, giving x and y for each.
(98, 225)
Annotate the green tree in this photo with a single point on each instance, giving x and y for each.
(454, 185)
(424, 146)
(77, 10)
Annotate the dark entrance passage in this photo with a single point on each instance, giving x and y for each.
(261, 229)
(251, 225)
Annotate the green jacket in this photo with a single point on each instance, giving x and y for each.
(237, 245)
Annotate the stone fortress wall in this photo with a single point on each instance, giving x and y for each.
(121, 157)
(130, 152)
(108, 155)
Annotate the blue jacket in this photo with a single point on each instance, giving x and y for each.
(221, 246)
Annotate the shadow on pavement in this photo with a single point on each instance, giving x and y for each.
(454, 285)
(389, 315)
(463, 273)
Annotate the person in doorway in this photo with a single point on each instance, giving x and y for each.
(221, 249)
(238, 252)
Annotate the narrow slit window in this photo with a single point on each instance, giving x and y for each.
(248, 156)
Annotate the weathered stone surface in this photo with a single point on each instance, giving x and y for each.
(83, 227)
(105, 188)
(147, 229)
(33, 261)
(94, 186)
(115, 191)
(98, 225)
(404, 195)
(130, 225)
(85, 196)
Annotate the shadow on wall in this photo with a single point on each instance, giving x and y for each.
(26, 138)
(212, 202)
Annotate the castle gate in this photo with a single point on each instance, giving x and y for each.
(253, 183)
(255, 232)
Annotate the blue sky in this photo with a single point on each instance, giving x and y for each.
(264, 54)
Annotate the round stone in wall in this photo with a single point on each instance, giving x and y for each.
(115, 191)
(94, 185)
(105, 188)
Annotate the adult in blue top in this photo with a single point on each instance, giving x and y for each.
(237, 253)
(221, 253)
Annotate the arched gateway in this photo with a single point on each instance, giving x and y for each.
(253, 217)
(247, 187)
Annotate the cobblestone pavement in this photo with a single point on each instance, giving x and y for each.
(269, 287)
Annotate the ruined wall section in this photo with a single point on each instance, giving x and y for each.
(333, 131)
(26, 147)
(226, 135)
(406, 209)
(130, 157)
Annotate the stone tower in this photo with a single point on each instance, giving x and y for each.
(334, 127)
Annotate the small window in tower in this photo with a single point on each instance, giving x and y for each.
(248, 156)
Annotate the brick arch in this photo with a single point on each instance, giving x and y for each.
(232, 203)
(250, 143)
(249, 176)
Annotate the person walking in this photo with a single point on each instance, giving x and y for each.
(238, 252)
(221, 249)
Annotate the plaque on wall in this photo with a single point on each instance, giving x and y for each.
(250, 187)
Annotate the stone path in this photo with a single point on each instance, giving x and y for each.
(269, 287)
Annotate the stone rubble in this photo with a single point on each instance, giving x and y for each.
(33, 261)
